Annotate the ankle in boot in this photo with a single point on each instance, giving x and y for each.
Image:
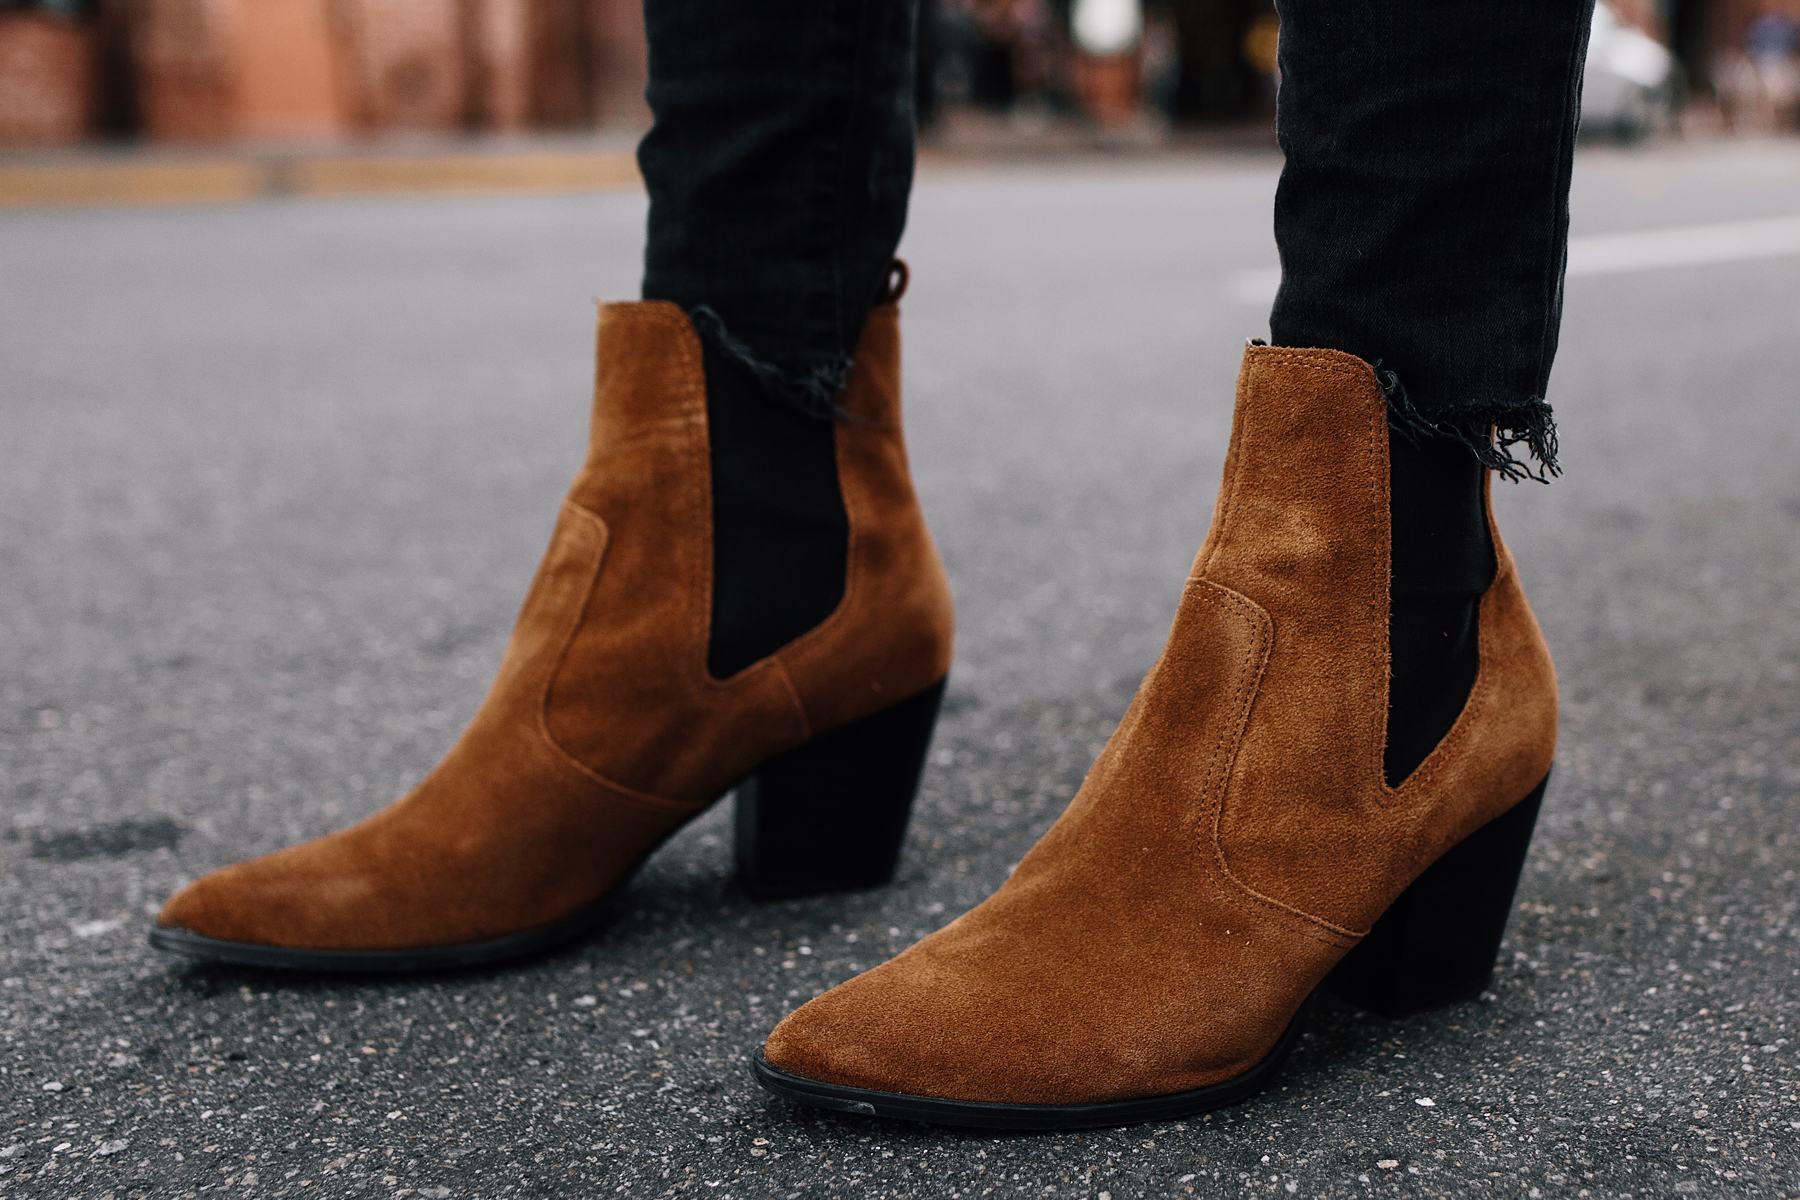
(604, 731)
(780, 535)
(1154, 954)
(1443, 562)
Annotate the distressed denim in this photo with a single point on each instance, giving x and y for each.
(1422, 216)
(1423, 212)
(778, 168)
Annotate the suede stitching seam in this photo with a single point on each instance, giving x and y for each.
(1249, 678)
(690, 417)
(1227, 504)
(652, 431)
(1381, 656)
(1259, 653)
(1323, 361)
(699, 490)
(568, 641)
(1381, 606)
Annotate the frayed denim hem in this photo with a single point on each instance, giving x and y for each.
(813, 391)
(1490, 431)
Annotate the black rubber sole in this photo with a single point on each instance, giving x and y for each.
(973, 1114)
(393, 962)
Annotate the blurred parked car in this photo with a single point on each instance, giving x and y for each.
(1628, 91)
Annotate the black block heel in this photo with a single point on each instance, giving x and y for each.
(1436, 945)
(830, 816)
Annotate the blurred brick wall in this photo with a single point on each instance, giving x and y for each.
(46, 84)
(204, 70)
(560, 60)
(287, 82)
(405, 63)
(617, 72)
(211, 70)
(183, 50)
(497, 43)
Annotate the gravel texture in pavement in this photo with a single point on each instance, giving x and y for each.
(273, 479)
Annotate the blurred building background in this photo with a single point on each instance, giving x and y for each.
(188, 71)
(306, 70)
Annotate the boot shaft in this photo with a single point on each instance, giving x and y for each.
(638, 652)
(1302, 532)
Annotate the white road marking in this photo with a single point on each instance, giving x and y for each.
(1688, 245)
(1613, 253)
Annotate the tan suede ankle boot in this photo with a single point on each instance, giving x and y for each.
(1236, 841)
(604, 733)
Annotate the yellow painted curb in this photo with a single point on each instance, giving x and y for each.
(454, 173)
(130, 183)
(222, 181)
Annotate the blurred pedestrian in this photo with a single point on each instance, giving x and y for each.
(1350, 727)
(1770, 44)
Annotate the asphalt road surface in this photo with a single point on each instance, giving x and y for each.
(273, 479)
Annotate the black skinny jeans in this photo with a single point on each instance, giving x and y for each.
(1422, 216)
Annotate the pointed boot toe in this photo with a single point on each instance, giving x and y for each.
(284, 896)
(939, 1036)
(287, 897)
(840, 1039)
(1236, 846)
(203, 908)
(906, 1027)
(604, 731)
